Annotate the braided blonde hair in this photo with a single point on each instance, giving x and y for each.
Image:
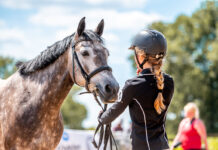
(156, 63)
(158, 103)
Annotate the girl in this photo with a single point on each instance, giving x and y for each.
(148, 95)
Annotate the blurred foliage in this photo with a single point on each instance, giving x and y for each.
(192, 60)
(73, 113)
(7, 67)
(91, 128)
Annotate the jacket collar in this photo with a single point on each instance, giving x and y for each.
(146, 71)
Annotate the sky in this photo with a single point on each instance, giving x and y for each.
(27, 27)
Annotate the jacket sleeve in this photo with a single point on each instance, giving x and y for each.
(169, 90)
(118, 107)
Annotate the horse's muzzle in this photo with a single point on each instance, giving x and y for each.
(108, 92)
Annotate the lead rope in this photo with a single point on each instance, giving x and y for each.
(105, 130)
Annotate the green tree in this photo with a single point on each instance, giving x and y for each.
(7, 66)
(73, 112)
(192, 61)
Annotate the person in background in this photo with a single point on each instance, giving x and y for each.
(147, 95)
(119, 126)
(129, 130)
(191, 130)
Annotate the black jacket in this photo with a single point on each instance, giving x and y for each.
(148, 127)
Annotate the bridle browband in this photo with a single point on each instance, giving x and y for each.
(85, 75)
(105, 130)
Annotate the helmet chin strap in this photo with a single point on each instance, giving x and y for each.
(144, 61)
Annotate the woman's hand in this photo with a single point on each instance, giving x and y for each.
(171, 148)
(138, 71)
(100, 113)
(99, 116)
(178, 135)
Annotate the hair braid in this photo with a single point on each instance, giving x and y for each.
(158, 103)
(156, 62)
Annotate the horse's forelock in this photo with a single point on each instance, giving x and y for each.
(93, 36)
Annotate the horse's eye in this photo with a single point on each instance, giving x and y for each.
(85, 53)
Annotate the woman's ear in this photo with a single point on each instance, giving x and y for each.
(140, 57)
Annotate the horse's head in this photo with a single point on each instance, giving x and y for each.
(89, 63)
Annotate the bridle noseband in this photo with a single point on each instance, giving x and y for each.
(85, 75)
(105, 130)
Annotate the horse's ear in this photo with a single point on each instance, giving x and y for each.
(100, 28)
(80, 28)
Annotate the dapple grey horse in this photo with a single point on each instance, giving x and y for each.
(30, 99)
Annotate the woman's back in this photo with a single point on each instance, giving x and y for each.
(143, 113)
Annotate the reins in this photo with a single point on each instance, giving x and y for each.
(105, 130)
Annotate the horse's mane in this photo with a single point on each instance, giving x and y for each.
(52, 53)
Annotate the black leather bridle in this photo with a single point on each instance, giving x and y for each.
(105, 130)
(85, 75)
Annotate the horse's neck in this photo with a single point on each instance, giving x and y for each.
(53, 83)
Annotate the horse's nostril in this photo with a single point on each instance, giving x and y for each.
(108, 88)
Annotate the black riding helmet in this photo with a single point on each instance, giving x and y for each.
(152, 42)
